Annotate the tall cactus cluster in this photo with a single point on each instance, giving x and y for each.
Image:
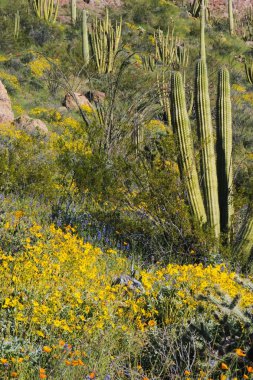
(165, 46)
(216, 174)
(46, 10)
(105, 41)
(212, 208)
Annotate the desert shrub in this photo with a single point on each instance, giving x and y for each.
(27, 163)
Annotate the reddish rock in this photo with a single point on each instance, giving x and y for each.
(95, 96)
(6, 114)
(72, 102)
(31, 126)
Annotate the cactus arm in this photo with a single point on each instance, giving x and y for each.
(249, 72)
(208, 161)
(224, 150)
(231, 17)
(202, 32)
(56, 10)
(73, 12)
(181, 125)
(244, 247)
(85, 39)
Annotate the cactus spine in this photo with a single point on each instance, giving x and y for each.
(85, 39)
(17, 25)
(224, 150)
(181, 126)
(231, 17)
(73, 11)
(46, 9)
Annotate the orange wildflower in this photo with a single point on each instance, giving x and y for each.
(14, 374)
(224, 366)
(250, 369)
(47, 349)
(240, 352)
(92, 375)
(245, 377)
(43, 376)
(187, 373)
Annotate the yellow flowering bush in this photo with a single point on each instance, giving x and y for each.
(10, 80)
(39, 66)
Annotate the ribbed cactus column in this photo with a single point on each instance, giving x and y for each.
(85, 39)
(181, 125)
(208, 161)
(244, 247)
(249, 71)
(231, 17)
(224, 150)
(73, 11)
(202, 31)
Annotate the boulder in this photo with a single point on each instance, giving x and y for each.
(31, 126)
(95, 96)
(6, 114)
(70, 101)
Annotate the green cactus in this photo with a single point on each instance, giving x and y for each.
(164, 97)
(73, 12)
(148, 62)
(181, 125)
(165, 46)
(224, 150)
(195, 8)
(202, 32)
(46, 10)
(249, 71)
(85, 39)
(244, 246)
(17, 25)
(208, 160)
(231, 17)
(105, 40)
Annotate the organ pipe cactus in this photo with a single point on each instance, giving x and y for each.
(165, 46)
(249, 71)
(202, 32)
(244, 246)
(46, 9)
(73, 11)
(208, 159)
(231, 17)
(164, 98)
(85, 39)
(224, 150)
(181, 125)
(105, 40)
(17, 25)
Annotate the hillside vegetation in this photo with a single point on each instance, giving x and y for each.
(126, 186)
